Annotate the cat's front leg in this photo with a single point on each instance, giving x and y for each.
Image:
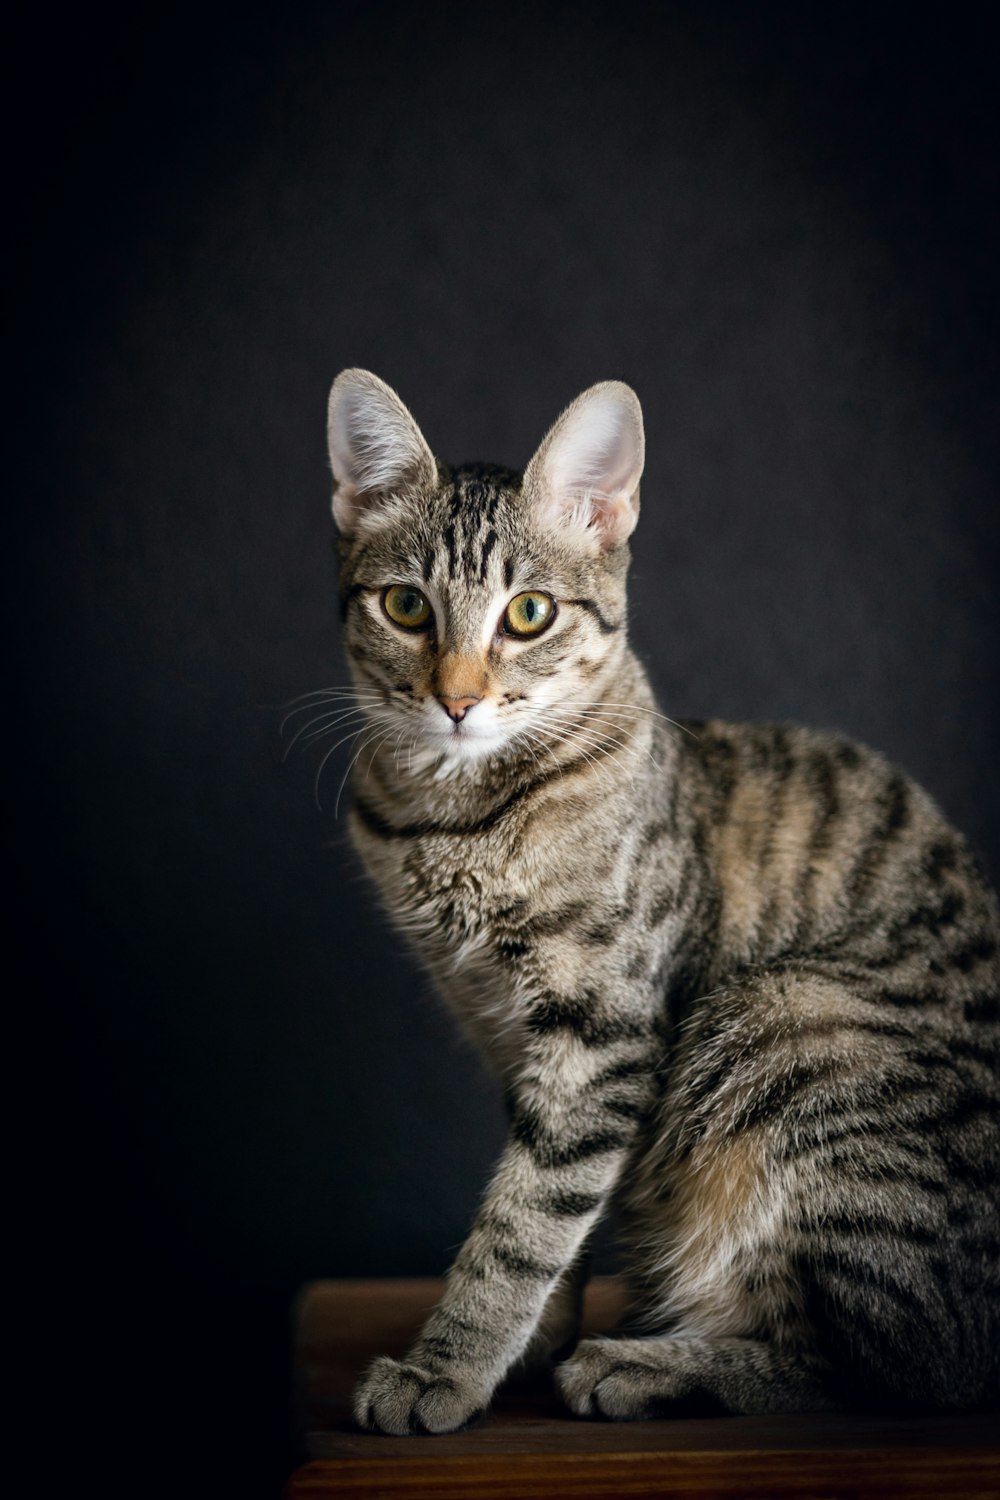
(558, 1329)
(579, 1103)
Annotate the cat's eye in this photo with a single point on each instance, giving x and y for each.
(406, 606)
(529, 614)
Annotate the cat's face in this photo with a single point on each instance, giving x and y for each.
(483, 610)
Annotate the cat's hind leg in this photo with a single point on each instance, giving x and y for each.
(634, 1379)
(822, 1180)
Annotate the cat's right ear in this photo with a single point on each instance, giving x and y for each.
(377, 452)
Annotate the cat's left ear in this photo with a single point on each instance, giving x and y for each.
(584, 479)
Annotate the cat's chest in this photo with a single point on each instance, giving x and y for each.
(448, 897)
(461, 944)
(452, 899)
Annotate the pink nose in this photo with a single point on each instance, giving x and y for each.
(457, 708)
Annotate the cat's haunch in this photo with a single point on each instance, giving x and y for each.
(739, 982)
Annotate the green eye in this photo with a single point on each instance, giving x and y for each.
(406, 607)
(529, 614)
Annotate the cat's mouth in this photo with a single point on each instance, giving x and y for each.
(469, 737)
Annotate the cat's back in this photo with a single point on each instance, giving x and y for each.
(824, 851)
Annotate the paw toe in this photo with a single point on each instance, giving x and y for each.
(578, 1376)
(601, 1381)
(401, 1399)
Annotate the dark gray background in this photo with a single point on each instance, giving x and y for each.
(779, 225)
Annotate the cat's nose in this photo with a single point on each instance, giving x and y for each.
(457, 708)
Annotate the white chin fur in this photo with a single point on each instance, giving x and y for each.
(464, 744)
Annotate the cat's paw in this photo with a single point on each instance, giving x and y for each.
(609, 1378)
(402, 1399)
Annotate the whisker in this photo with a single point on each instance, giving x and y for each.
(374, 747)
(308, 730)
(327, 695)
(344, 689)
(598, 740)
(355, 734)
(353, 762)
(570, 723)
(395, 750)
(587, 748)
(317, 734)
(638, 708)
(366, 699)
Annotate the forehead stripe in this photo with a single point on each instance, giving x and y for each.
(488, 546)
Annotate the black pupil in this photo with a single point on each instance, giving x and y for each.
(410, 603)
(530, 610)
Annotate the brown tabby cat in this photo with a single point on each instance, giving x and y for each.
(739, 980)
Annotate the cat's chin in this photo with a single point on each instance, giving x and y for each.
(452, 754)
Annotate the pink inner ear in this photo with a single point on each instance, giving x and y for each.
(377, 451)
(614, 516)
(590, 464)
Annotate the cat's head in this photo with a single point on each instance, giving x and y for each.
(482, 607)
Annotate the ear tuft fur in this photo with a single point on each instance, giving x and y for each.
(377, 451)
(584, 479)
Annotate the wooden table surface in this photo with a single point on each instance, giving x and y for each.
(529, 1445)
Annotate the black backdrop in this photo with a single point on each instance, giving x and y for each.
(780, 225)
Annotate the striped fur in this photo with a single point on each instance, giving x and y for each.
(739, 982)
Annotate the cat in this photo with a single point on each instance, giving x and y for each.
(739, 982)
